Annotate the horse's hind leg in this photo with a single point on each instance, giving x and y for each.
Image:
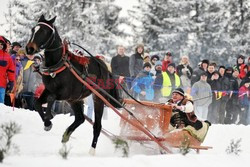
(77, 107)
(99, 105)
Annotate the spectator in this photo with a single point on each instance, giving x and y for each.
(158, 68)
(21, 53)
(245, 78)
(146, 58)
(223, 94)
(18, 84)
(31, 81)
(136, 61)
(166, 83)
(240, 65)
(166, 60)
(202, 93)
(7, 75)
(197, 72)
(236, 76)
(120, 65)
(222, 70)
(210, 69)
(244, 97)
(232, 106)
(8, 46)
(143, 84)
(15, 47)
(153, 60)
(213, 108)
(185, 71)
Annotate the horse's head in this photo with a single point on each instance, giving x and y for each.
(42, 36)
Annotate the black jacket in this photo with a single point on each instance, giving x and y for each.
(120, 65)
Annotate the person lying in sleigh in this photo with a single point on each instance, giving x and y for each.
(183, 116)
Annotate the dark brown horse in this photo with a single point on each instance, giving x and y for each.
(61, 84)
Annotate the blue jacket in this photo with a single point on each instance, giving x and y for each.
(144, 82)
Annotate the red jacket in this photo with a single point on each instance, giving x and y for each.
(242, 72)
(7, 69)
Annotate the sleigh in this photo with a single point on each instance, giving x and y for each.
(155, 118)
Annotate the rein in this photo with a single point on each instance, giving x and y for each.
(85, 81)
(110, 74)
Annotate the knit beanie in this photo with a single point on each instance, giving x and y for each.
(179, 91)
(147, 64)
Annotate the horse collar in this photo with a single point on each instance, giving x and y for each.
(57, 68)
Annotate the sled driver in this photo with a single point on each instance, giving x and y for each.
(183, 111)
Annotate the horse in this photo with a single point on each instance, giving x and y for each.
(61, 84)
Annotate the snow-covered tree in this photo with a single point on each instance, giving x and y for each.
(92, 24)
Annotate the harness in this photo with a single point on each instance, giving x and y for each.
(60, 66)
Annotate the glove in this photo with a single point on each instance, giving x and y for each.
(10, 86)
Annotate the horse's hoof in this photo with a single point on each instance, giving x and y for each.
(92, 151)
(66, 136)
(48, 126)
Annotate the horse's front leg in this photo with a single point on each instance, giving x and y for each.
(48, 116)
(39, 102)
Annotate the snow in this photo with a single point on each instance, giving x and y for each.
(39, 148)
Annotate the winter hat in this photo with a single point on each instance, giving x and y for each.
(179, 91)
(158, 63)
(16, 44)
(147, 64)
(155, 56)
(171, 64)
(145, 57)
(205, 61)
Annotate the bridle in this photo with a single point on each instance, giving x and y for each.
(51, 39)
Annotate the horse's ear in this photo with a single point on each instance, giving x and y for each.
(52, 20)
(41, 18)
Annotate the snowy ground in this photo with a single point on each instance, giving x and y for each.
(38, 148)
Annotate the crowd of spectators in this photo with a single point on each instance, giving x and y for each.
(221, 94)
